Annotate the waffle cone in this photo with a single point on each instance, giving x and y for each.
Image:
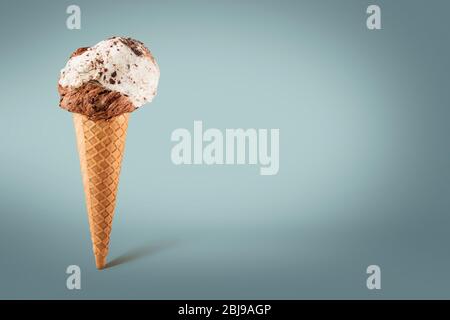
(101, 145)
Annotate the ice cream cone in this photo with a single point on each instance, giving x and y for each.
(101, 145)
(101, 85)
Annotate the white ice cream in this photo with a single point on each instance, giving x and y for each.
(117, 67)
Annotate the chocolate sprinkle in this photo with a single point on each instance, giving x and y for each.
(135, 45)
(79, 51)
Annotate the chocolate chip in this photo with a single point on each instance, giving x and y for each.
(114, 74)
(112, 81)
(135, 45)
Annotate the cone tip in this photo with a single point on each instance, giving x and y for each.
(100, 262)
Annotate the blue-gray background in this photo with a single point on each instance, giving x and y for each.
(364, 153)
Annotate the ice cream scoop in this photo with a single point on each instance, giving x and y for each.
(115, 76)
(101, 85)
